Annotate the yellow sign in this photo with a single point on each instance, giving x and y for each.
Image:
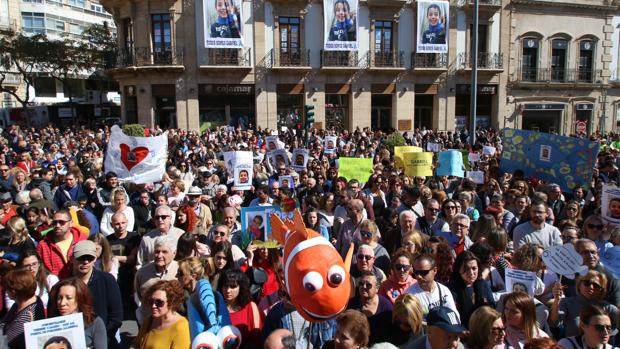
(355, 168)
(418, 164)
(399, 151)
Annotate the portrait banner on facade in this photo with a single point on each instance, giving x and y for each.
(340, 20)
(433, 26)
(223, 23)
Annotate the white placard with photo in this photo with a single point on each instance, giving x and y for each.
(300, 159)
(433, 25)
(610, 204)
(223, 23)
(520, 280)
(329, 143)
(340, 25)
(67, 330)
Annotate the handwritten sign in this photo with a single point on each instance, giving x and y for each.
(563, 160)
(68, 329)
(355, 168)
(450, 164)
(488, 150)
(520, 280)
(564, 260)
(476, 176)
(399, 151)
(418, 164)
(434, 147)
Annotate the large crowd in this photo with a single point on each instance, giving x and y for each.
(430, 261)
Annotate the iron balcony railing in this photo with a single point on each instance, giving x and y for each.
(10, 78)
(486, 2)
(228, 57)
(559, 75)
(388, 59)
(339, 58)
(429, 60)
(486, 60)
(289, 58)
(146, 56)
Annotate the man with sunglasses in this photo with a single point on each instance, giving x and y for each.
(220, 233)
(430, 224)
(163, 227)
(105, 292)
(365, 262)
(429, 292)
(56, 249)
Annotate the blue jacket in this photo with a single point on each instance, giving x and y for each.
(107, 301)
(215, 311)
(320, 332)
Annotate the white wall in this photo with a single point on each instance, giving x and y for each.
(495, 34)
(269, 28)
(615, 48)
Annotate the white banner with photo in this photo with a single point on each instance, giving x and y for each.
(223, 23)
(610, 204)
(243, 170)
(433, 17)
(340, 21)
(278, 157)
(57, 332)
(520, 280)
(300, 159)
(329, 143)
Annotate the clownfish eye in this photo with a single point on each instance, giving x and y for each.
(313, 281)
(335, 275)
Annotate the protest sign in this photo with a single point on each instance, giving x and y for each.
(67, 330)
(355, 168)
(278, 156)
(564, 260)
(611, 260)
(329, 144)
(340, 25)
(450, 164)
(136, 159)
(223, 23)
(273, 143)
(300, 159)
(488, 150)
(434, 147)
(243, 170)
(400, 150)
(255, 224)
(433, 24)
(520, 280)
(473, 157)
(418, 164)
(476, 176)
(610, 204)
(563, 160)
(286, 182)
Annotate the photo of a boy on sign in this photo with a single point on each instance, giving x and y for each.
(255, 225)
(432, 26)
(610, 205)
(223, 21)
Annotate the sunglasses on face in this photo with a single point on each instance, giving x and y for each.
(422, 272)
(602, 328)
(366, 234)
(595, 226)
(402, 267)
(158, 302)
(87, 259)
(59, 222)
(450, 207)
(219, 233)
(162, 217)
(364, 257)
(590, 283)
(366, 285)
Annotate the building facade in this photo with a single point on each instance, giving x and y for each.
(168, 76)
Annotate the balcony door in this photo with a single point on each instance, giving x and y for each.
(529, 59)
(162, 38)
(586, 61)
(559, 48)
(290, 40)
(384, 43)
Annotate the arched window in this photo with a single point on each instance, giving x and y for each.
(586, 61)
(529, 59)
(559, 59)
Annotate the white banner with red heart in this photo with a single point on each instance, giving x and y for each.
(136, 159)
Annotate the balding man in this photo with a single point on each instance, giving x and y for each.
(38, 200)
(365, 262)
(393, 238)
(163, 224)
(280, 339)
(124, 245)
(350, 229)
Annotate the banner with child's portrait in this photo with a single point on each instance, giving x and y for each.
(340, 21)
(223, 23)
(433, 26)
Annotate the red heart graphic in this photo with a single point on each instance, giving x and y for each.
(132, 157)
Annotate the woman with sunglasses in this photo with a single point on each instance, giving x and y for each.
(595, 328)
(591, 290)
(486, 329)
(71, 296)
(571, 214)
(377, 308)
(165, 327)
(593, 228)
(368, 234)
(400, 275)
(449, 209)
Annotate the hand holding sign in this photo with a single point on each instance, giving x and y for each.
(564, 260)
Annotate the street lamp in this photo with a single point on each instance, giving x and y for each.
(474, 76)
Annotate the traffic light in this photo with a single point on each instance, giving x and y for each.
(309, 115)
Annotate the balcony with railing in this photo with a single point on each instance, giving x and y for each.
(341, 60)
(489, 62)
(429, 61)
(382, 60)
(8, 78)
(147, 57)
(484, 6)
(290, 59)
(226, 58)
(549, 76)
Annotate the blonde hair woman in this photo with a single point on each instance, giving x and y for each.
(19, 240)
(407, 313)
(119, 204)
(106, 261)
(486, 329)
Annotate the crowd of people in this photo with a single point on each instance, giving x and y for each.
(430, 262)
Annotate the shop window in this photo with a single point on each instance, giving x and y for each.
(337, 111)
(529, 59)
(290, 110)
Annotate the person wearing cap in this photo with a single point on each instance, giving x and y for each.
(443, 331)
(7, 211)
(203, 212)
(107, 301)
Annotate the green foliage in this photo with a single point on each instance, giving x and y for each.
(396, 139)
(134, 130)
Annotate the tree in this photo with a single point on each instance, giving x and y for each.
(24, 55)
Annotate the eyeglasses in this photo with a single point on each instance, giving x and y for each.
(422, 272)
(459, 225)
(59, 221)
(366, 234)
(589, 252)
(498, 330)
(595, 226)
(86, 259)
(402, 267)
(366, 285)
(602, 328)
(364, 257)
(590, 283)
(162, 217)
(159, 303)
(568, 238)
(4, 169)
(450, 207)
(31, 265)
(572, 209)
(219, 233)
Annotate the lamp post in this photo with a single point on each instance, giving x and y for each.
(474, 76)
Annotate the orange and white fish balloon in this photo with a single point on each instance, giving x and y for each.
(317, 279)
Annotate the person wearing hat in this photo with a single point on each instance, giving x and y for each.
(106, 294)
(203, 212)
(7, 211)
(443, 331)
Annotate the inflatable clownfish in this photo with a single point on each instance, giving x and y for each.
(316, 278)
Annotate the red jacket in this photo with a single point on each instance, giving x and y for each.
(52, 256)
